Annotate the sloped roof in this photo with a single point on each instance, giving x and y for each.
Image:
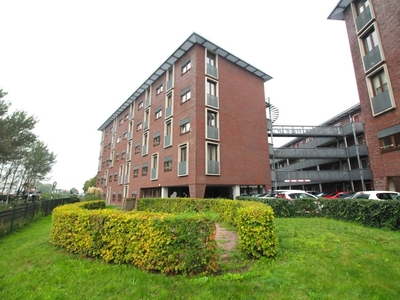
(194, 38)
(338, 11)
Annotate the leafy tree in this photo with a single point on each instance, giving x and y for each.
(89, 183)
(24, 159)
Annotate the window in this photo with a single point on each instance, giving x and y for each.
(212, 118)
(186, 65)
(185, 95)
(159, 89)
(185, 127)
(125, 136)
(127, 116)
(212, 152)
(136, 171)
(379, 83)
(140, 105)
(168, 164)
(212, 131)
(211, 88)
(123, 154)
(361, 5)
(210, 59)
(183, 159)
(110, 178)
(117, 157)
(137, 148)
(156, 139)
(168, 133)
(146, 119)
(145, 170)
(115, 176)
(121, 121)
(145, 144)
(139, 126)
(118, 139)
(158, 113)
(154, 167)
(370, 41)
(390, 142)
(168, 105)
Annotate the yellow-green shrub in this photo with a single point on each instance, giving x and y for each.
(168, 243)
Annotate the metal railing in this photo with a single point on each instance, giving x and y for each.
(19, 215)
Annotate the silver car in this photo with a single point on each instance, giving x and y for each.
(376, 195)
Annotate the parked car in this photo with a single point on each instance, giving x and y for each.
(376, 195)
(293, 194)
(334, 195)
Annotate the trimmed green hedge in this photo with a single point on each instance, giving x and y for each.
(254, 221)
(370, 213)
(174, 236)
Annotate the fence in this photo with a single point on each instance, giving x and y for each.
(21, 214)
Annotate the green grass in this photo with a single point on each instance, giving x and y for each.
(318, 259)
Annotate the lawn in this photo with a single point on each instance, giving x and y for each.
(318, 259)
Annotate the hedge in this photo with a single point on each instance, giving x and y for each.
(173, 236)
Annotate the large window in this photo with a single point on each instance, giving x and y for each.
(211, 88)
(379, 83)
(370, 40)
(212, 159)
(211, 59)
(183, 160)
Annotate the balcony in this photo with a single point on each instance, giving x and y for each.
(212, 133)
(381, 102)
(364, 18)
(212, 100)
(154, 173)
(372, 58)
(182, 168)
(213, 167)
(168, 111)
(167, 140)
(212, 71)
(169, 84)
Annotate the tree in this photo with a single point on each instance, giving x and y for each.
(24, 160)
(89, 183)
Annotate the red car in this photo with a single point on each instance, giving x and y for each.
(334, 195)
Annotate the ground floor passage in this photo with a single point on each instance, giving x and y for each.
(192, 191)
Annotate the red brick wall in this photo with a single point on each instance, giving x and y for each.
(244, 157)
(383, 165)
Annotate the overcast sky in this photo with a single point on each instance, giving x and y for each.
(73, 63)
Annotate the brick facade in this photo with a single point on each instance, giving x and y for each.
(385, 21)
(242, 143)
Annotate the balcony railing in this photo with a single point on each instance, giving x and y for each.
(212, 132)
(213, 167)
(212, 71)
(372, 58)
(381, 102)
(212, 100)
(182, 168)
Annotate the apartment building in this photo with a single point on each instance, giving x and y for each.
(373, 28)
(196, 127)
(331, 157)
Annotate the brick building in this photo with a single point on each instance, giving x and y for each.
(373, 28)
(193, 127)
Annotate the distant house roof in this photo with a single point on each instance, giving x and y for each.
(194, 38)
(338, 11)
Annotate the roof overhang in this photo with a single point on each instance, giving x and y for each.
(338, 11)
(193, 39)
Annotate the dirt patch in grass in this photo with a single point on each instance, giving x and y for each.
(227, 240)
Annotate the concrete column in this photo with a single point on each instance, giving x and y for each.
(197, 190)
